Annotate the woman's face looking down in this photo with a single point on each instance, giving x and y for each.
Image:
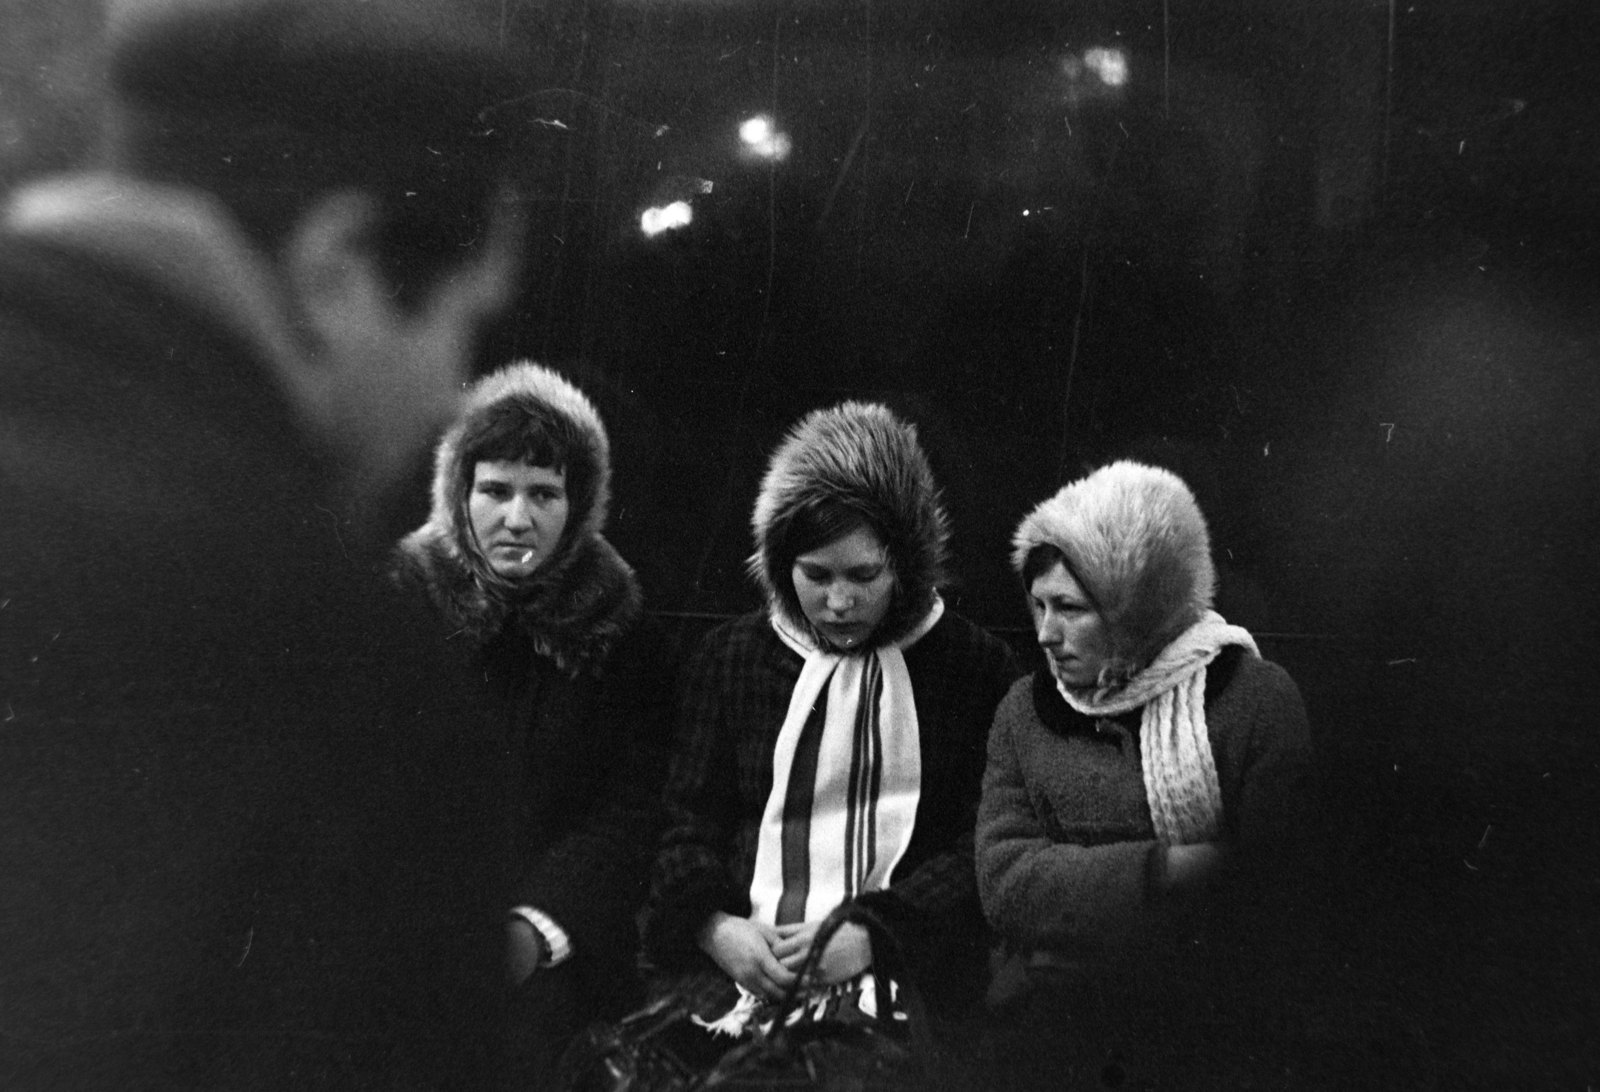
(1068, 627)
(845, 587)
(518, 512)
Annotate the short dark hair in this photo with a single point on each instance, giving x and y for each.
(268, 103)
(1046, 556)
(527, 430)
(1040, 560)
(810, 526)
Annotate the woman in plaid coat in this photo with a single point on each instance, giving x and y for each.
(831, 745)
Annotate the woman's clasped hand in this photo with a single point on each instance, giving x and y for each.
(767, 960)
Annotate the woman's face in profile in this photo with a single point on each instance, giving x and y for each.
(845, 587)
(1067, 626)
(518, 512)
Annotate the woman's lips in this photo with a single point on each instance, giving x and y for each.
(517, 551)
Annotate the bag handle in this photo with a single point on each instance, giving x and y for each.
(888, 965)
(888, 959)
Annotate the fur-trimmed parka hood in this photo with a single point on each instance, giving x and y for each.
(584, 597)
(863, 456)
(1135, 541)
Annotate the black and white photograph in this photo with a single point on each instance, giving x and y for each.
(799, 545)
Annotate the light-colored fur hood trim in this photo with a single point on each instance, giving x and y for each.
(862, 455)
(1135, 540)
(585, 596)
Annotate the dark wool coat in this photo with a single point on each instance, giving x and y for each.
(735, 695)
(587, 755)
(1066, 850)
(583, 681)
(250, 819)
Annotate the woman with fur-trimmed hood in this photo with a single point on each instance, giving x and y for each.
(1152, 751)
(513, 558)
(830, 744)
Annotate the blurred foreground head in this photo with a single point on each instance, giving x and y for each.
(269, 104)
(360, 147)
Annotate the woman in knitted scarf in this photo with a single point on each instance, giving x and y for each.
(1151, 752)
(830, 744)
(513, 558)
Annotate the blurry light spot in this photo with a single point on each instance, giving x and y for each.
(1111, 65)
(761, 140)
(665, 218)
(758, 130)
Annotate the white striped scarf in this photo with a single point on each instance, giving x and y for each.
(846, 778)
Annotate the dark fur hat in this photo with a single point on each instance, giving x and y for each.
(1135, 540)
(581, 600)
(864, 458)
(528, 383)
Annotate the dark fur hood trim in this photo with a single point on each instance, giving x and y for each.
(584, 597)
(1135, 539)
(864, 456)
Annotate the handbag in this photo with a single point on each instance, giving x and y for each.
(797, 1050)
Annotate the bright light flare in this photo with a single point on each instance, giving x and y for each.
(762, 141)
(653, 221)
(756, 131)
(1111, 65)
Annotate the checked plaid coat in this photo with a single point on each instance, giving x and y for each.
(734, 694)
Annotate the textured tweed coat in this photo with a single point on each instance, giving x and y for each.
(1066, 849)
(735, 694)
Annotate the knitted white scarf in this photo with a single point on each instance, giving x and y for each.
(846, 778)
(1180, 774)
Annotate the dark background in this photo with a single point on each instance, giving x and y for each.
(1334, 261)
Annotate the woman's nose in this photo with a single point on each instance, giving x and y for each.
(1048, 630)
(840, 599)
(517, 515)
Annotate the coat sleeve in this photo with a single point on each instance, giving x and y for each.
(690, 877)
(933, 907)
(1036, 891)
(1274, 822)
(979, 674)
(1276, 795)
(592, 880)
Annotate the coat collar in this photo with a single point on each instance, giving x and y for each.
(574, 619)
